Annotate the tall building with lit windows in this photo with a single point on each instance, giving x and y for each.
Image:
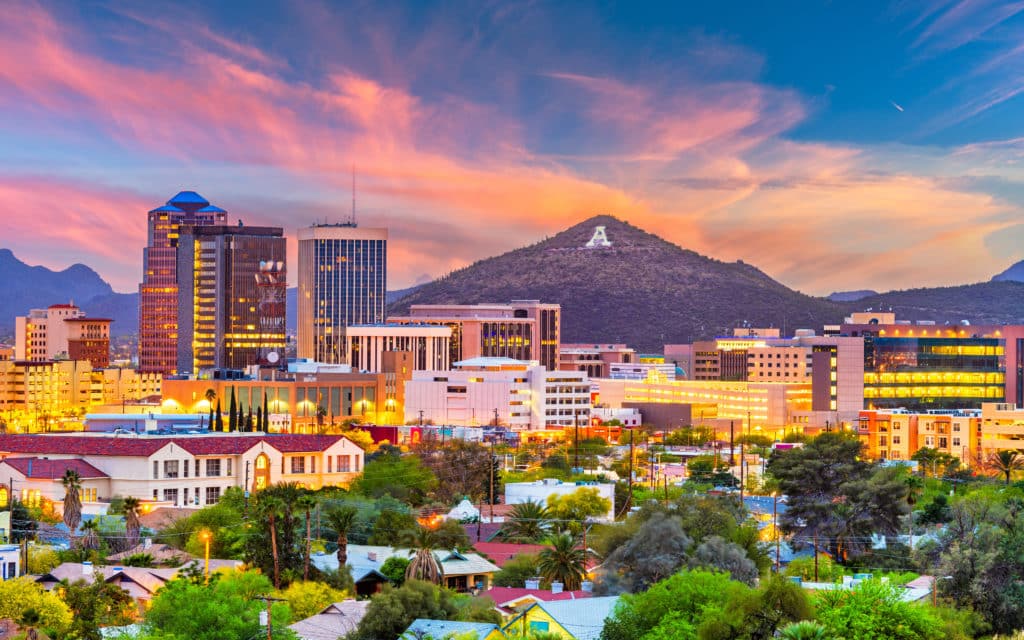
(926, 366)
(231, 297)
(158, 293)
(342, 282)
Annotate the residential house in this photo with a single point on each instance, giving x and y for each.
(181, 471)
(512, 600)
(462, 571)
(335, 621)
(500, 553)
(10, 561)
(446, 629)
(572, 619)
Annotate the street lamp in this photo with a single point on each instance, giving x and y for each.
(205, 536)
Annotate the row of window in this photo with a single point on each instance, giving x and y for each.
(176, 468)
(335, 464)
(212, 495)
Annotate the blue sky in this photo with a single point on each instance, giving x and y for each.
(836, 145)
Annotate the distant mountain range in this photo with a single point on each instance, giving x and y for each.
(641, 290)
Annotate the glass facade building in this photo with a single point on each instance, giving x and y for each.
(232, 283)
(342, 282)
(158, 292)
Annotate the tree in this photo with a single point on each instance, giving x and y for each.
(835, 497)
(307, 503)
(72, 500)
(803, 630)
(232, 412)
(873, 610)
(90, 540)
(272, 545)
(393, 610)
(95, 605)
(210, 395)
(672, 608)
(394, 569)
(132, 525)
(935, 463)
(717, 553)
(401, 477)
(450, 534)
(657, 550)
(563, 561)
(226, 609)
(466, 468)
(756, 614)
(259, 419)
(309, 598)
(1006, 461)
(266, 414)
(340, 520)
(219, 423)
(528, 522)
(23, 525)
(390, 527)
(423, 566)
(19, 595)
(579, 505)
(518, 570)
(272, 508)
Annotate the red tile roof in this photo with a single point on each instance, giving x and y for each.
(53, 469)
(146, 446)
(503, 595)
(501, 552)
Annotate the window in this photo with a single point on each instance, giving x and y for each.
(212, 495)
(298, 464)
(228, 461)
(213, 467)
(156, 470)
(155, 495)
(343, 464)
(357, 459)
(171, 495)
(539, 625)
(956, 442)
(185, 465)
(312, 464)
(197, 467)
(170, 469)
(330, 464)
(186, 495)
(895, 439)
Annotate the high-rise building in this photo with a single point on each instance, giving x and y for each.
(158, 293)
(342, 282)
(231, 297)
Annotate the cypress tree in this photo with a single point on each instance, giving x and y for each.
(209, 423)
(233, 412)
(220, 418)
(266, 414)
(248, 420)
(259, 418)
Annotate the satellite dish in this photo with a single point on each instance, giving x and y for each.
(273, 357)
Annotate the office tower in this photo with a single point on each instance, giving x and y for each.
(158, 293)
(342, 282)
(231, 297)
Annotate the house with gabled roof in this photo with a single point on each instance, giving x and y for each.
(572, 619)
(422, 628)
(190, 471)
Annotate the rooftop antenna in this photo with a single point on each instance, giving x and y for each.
(353, 221)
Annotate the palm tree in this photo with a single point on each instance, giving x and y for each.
(90, 535)
(563, 561)
(72, 500)
(1006, 462)
(131, 520)
(307, 503)
(803, 630)
(423, 566)
(272, 509)
(528, 522)
(341, 519)
(30, 621)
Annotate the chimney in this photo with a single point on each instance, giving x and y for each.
(86, 568)
(372, 555)
(533, 583)
(556, 587)
(587, 586)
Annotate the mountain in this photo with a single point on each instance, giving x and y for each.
(981, 303)
(851, 296)
(641, 290)
(1014, 274)
(24, 287)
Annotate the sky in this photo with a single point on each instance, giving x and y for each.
(835, 145)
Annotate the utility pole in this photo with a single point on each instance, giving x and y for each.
(269, 622)
(732, 445)
(741, 472)
(490, 461)
(815, 556)
(775, 526)
(629, 497)
(576, 424)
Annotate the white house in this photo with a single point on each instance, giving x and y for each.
(184, 471)
(10, 561)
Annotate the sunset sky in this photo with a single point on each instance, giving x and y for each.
(835, 145)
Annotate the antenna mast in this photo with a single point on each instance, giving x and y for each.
(353, 195)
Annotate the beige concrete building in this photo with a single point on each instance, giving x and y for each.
(428, 344)
(894, 435)
(1002, 427)
(64, 332)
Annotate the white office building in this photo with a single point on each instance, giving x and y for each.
(428, 343)
(481, 391)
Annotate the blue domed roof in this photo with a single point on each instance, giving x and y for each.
(211, 209)
(167, 208)
(188, 197)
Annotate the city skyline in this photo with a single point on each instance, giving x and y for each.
(869, 143)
